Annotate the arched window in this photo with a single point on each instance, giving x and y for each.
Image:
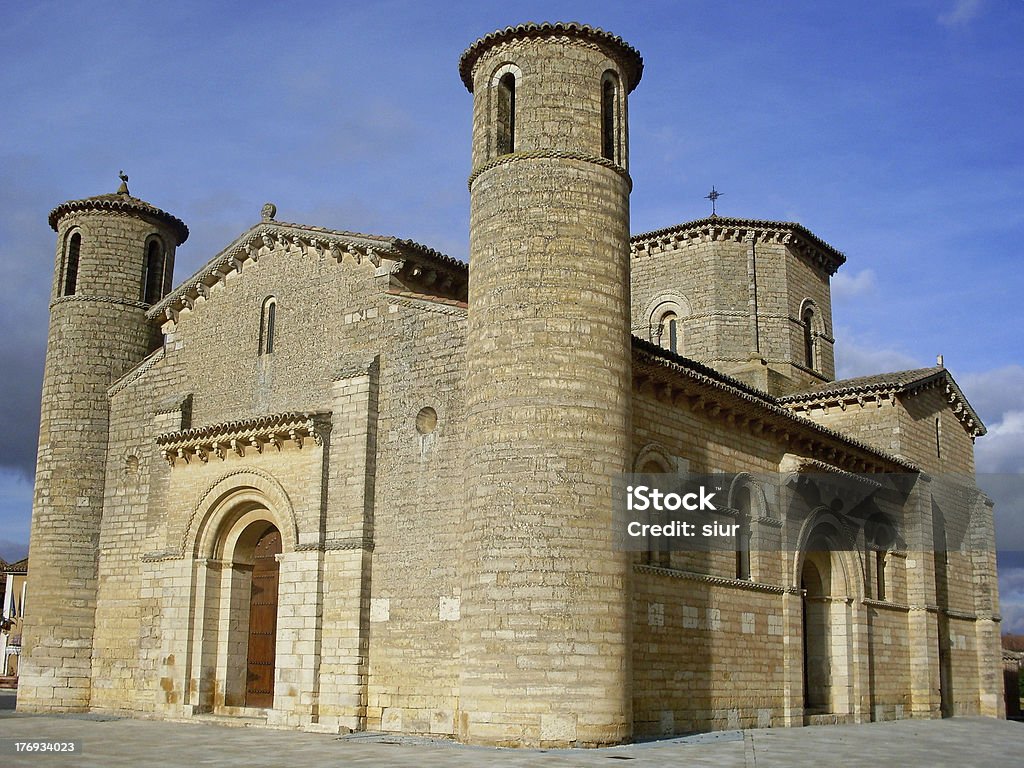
(74, 249)
(808, 329)
(506, 122)
(880, 536)
(658, 553)
(609, 115)
(670, 333)
(267, 325)
(742, 503)
(153, 272)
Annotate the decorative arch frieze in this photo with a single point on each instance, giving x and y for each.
(842, 548)
(759, 506)
(233, 495)
(407, 260)
(658, 454)
(657, 313)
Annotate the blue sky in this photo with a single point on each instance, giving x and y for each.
(890, 129)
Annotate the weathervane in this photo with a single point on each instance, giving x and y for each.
(713, 195)
(123, 189)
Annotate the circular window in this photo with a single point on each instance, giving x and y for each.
(426, 420)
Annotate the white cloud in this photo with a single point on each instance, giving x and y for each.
(854, 358)
(996, 392)
(998, 397)
(848, 286)
(1002, 449)
(961, 14)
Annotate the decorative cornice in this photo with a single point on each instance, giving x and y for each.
(962, 615)
(815, 466)
(885, 605)
(337, 545)
(751, 586)
(680, 380)
(410, 262)
(629, 58)
(718, 229)
(540, 154)
(880, 389)
(427, 303)
(101, 300)
(239, 436)
(137, 372)
(120, 204)
(161, 555)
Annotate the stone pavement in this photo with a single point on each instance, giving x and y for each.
(111, 741)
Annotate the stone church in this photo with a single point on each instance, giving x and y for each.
(340, 481)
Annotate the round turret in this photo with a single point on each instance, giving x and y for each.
(545, 639)
(115, 257)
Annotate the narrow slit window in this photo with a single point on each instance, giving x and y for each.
(669, 333)
(743, 533)
(506, 138)
(880, 574)
(71, 264)
(154, 280)
(268, 326)
(808, 323)
(938, 437)
(609, 99)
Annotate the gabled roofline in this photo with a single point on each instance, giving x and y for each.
(408, 259)
(20, 566)
(888, 385)
(762, 406)
(739, 230)
(629, 57)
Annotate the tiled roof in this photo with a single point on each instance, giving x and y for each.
(632, 61)
(724, 227)
(306, 236)
(124, 203)
(755, 398)
(895, 383)
(880, 382)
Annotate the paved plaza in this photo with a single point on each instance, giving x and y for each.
(110, 741)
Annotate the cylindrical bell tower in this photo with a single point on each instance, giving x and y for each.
(115, 256)
(545, 602)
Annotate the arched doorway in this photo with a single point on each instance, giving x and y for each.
(262, 639)
(828, 624)
(817, 635)
(242, 593)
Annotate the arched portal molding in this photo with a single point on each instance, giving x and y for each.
(824, 525)
(234, 498)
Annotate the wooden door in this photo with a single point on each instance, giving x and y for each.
(259, 678)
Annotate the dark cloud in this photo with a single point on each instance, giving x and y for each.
(26, 270)
(12, 551)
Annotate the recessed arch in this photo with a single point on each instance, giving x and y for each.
(654, 455)
(611, 117)
(504, 86)
(666, 315)
(154, 269)
(812, 330)
(232, 496)
(827, 572)
(72, 256)
(268, 325)
(823, 527)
